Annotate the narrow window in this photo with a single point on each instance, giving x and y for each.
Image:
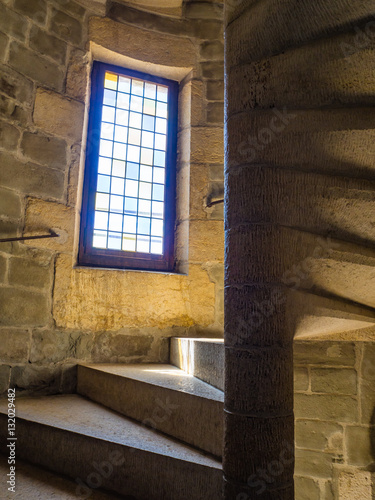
(128, 209)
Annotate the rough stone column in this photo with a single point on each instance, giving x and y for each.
(298, 141)
(259, 427)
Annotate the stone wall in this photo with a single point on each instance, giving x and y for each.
(334, 410)
(53, 313)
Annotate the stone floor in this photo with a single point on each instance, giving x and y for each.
(33, 483)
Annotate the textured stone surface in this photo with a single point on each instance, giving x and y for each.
(35, 483)
(161, 397)
(48, 45)
(334, 381)
(32, 65)
(15, 345)
(66, 27)
(89, 298)
(23, 308)
(301, 379)
(35, 9)
(306, 488)
(359, 443)
(53, 346)
(207, 145)
(42, 216)
(9, 136)
(60, 122)
(317, 435)
(328, 353)
(12, 23)
(313, 463)
(30, 178)
(77, 76)
(4, 378)
(45, 150)
(326, 407)
(355, 485)
(100, 435)
(142, 44)
(30, 273)
(16, 86)
(10, 203)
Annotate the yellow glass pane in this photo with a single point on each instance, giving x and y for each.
(110, 81)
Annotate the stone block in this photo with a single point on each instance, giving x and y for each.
(15, 85)
(76, 81)
(334, 380)
(32, 378)
(53, 346)
(12, 23)
(326, 407)
(197, 115)
(313, 463)
(216, 172)
(306, 488)
(3, 268)
(324, 353)
(72, 7)
(367, 384)
(4, 378)
(301, 379)
(328, 491)
(66, 119)
(206, 241)
(3, 45)
(14, 346)
(24, 308)
(197, 190)
(207, 145)
(214, 70)
(9, 229)
(74, 190)
(35, 9)
(30, 178)
(320, 436)
(8, 108)
(360, 445)
(103, 300)
(117, 348)
(215, 90)
(215, 112)
(43, 215)
(44, 150)
(30, 273)
(212, 51)
(203, 10)
(66, 27)
(142, 44)
(9, 136)
(354, 485)
(32, 65)
(48, 45)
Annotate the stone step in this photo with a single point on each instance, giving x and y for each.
(35, 483)
(201, 358)
(162, 397)
(99, 448)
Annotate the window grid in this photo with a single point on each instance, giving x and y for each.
(146, 233)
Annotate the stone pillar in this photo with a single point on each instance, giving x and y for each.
(298, 80)
(259, 428)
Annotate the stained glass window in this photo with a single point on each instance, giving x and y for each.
(134, 116)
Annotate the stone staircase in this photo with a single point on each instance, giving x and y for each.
(145, 432)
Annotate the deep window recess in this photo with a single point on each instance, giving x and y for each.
(128, 210)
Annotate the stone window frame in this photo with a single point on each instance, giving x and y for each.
(87, 255)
